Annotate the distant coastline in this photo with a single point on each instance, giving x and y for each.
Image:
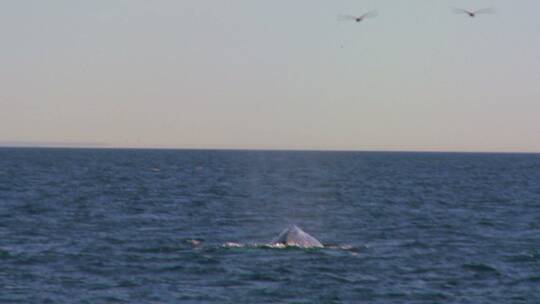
(34, 144)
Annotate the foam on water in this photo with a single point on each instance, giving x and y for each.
(285, 246)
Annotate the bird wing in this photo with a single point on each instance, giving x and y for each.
(369, 14)
(347, 17)
(489, 10)
(460, 11)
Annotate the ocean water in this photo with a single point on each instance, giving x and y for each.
(181, 226)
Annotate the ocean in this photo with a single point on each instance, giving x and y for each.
(191, 226)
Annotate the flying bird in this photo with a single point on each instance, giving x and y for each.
(358, 18)
(472, 14)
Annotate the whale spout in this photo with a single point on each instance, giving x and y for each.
(294, 236)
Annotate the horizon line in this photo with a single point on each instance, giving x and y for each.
(112, 147)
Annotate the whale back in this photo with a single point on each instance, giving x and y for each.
(294, 236)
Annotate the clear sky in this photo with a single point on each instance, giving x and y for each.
(271, 74)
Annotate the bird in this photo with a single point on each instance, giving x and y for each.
(472, 14)
(360, 18)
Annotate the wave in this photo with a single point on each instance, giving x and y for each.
(480, 267)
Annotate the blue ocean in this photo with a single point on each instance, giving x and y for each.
(192, 226)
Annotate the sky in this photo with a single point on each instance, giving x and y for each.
(254, 74)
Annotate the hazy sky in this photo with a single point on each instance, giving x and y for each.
(271, 74)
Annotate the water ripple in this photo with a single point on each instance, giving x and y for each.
(143, 226)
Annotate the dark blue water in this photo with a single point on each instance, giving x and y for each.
(143, 226)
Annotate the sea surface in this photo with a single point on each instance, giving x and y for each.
(188, 226)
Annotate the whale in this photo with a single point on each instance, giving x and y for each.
(294, 236)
